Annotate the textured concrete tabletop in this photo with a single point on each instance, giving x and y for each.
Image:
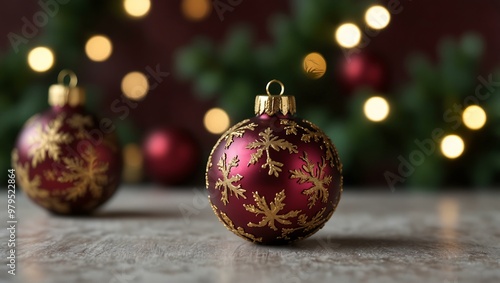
(158, 235)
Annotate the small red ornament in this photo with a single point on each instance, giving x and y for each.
(274, 178)
(171, 155)
(66, 160)
(362, 70)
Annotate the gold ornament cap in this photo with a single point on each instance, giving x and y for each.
(271, 104)
(61, 94)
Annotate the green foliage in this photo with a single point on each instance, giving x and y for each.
(239, 69)
(24, 93)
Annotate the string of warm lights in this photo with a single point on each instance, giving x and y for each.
(376, 108)
(98, 48)
(348, 35)
(41, 59)
(474, 117)
(137, 8)
(314, 65)
(452, 146)
(216, 121)
(135, 86)
(196, 10)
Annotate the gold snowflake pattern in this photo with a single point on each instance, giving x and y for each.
(331, 151)
(46, 141)
(267, 141)
(316, 134)
(316, 176)
(270, 212)
(87, 174)
(290, 126)
(316, 221)
(237, 132)
(230, 225)
(50, 175)
(227, 182)
(229, 138)
(32, 187)
(79, 123)
(312, 231)
(314, 224)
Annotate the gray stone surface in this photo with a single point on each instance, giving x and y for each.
(157, 235)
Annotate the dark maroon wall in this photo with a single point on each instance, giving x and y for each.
(154, 39)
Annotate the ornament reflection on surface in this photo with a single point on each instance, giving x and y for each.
(196, 10)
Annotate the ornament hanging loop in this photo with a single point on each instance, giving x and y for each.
(73, 79)
(61, 94)
(275, 81)
(271, 104)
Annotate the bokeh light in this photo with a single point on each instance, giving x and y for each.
(40, 59)
(137, 8)
(314, 65)
(157, 145)
(377, 17)
(376, 108)
(474, 117)
(132, 163)
(452, 146)
(135, 85)
(449, 210)
(348, 35)
(98, 48)
(216, 121)
(196, 10)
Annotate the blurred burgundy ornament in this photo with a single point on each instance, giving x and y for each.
(66, 160)
(171, 155)
(274, 178)
(362, 70)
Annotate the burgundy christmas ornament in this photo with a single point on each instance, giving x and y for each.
(363, 69)
(171, 155)
(65, 159)
(274, 178)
